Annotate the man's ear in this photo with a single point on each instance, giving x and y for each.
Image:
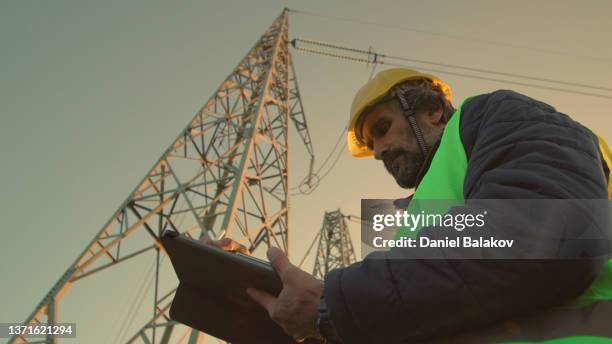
(436, 118)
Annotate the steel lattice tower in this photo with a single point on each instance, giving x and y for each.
(225, 175)
(335, 248)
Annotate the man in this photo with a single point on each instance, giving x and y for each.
(501, 145)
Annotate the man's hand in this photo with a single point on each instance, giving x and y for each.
(295, 309)
(226, 244)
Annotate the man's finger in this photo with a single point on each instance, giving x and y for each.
(264, 299)
(226, 244)
(213, 242)
(280, 262)
(225, 241)
(206, 240)
(236, 247)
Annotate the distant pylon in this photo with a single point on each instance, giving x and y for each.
(335, 248)
(225, 175)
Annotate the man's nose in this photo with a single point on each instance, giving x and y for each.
(379, 150)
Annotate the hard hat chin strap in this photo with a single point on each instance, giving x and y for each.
(410, 116)
(418, 134)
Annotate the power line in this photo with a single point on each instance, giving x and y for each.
(338, 156)
(135, 305)
(329, 155)
(333, 150)
(309, 249)
(451, 36)
(471, 76)
(356, 219)
(514, 75)
(480, 70)
(378, 59)
(320, 178)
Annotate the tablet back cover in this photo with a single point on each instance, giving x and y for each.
(212, 298)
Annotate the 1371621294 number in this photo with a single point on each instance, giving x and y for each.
(39, 330)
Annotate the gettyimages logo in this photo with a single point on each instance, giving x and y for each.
(411, 221)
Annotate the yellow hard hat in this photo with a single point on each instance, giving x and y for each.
(376, 89)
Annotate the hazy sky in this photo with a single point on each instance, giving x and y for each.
(92, 92)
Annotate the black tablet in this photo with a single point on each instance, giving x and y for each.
(211, 296)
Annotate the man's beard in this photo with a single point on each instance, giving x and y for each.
(403, 166)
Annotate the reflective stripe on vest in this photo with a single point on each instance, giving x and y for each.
(444, 180)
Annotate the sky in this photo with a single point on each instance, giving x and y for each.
(92, 93)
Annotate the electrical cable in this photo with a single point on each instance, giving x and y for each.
(338, 156)
(135, 306)
(133, 309)
(358, 219)
(451, 36)
(384, 57)
(333, 149)
(329, 155)
(479, 70)
(470, 76)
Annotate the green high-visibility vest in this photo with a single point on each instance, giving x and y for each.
(444, 181)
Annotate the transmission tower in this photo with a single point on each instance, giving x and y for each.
(225, 175)
(335, 248)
